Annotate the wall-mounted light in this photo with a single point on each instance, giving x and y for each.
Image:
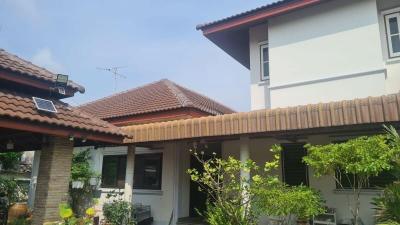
(62, 80)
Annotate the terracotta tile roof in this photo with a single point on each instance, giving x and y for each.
(267, 7)
(158, 96)
(372, 110)
(13, 63)
(19, 106)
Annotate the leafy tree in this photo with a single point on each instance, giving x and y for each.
(230, 194)
(354, 161)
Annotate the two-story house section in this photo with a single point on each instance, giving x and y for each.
(310, 51)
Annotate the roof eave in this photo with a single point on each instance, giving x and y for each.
(37, 127)
(45, 85)
(254, 17)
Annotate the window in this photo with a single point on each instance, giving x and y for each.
(377, 182)
(148, 171)
(392, 22)
(294, 170)
(113, 172)
(264, 52)
(147, 174)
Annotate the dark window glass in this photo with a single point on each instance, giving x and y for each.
(265, 62)
(396, 43)
(376, 182)
(295, 171)
(394, 26)
(148, 171)
(113, 172)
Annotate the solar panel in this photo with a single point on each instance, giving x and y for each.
(44, 105)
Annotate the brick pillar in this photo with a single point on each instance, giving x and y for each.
(130, 167)
(53, 179)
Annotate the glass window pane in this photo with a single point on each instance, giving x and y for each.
(265, 54)
(148, 171)
(266, 70)
(395, 43)
(393, 25)
(110, 170)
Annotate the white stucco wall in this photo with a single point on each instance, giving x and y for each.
(174, 180)
(329, 52)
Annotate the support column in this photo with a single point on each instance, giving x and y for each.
(130, 167)
(34, 175)
(244, 154)
(53, 179)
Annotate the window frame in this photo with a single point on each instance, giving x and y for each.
(286, 149)
(387, 15)
(136, 186)
(262, 46)
(120, 171)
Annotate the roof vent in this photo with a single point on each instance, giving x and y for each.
(44, 105)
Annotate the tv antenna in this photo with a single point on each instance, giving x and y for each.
(116, 74)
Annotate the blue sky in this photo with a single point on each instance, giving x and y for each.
(153, 39)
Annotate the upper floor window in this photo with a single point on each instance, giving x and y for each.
(264, 52)
(392, 22)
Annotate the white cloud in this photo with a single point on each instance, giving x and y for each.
(25, 8)
(45, 58)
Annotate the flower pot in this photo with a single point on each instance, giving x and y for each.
(302, 222)
(18, 210)
(94, 181)
(77, 184)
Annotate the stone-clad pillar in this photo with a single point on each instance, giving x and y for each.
(130, 167)
(53, 179)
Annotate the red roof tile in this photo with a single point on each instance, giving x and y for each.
(19, 106)
(158, 96)
(15, 64)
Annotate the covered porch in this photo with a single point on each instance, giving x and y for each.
(251, 135)
(53, 136)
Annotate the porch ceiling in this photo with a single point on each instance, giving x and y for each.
(366, 111)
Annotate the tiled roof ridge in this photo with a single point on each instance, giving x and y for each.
(180, 96)
(39, 69)
(208, 98)
(116, 94)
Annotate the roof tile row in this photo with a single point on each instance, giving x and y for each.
(350, 112)
(21, 106)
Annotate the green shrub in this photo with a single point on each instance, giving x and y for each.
(10, 188)
(10, 160)
(19, 221)
(284, 202)
(117, 211)
(81, 170)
